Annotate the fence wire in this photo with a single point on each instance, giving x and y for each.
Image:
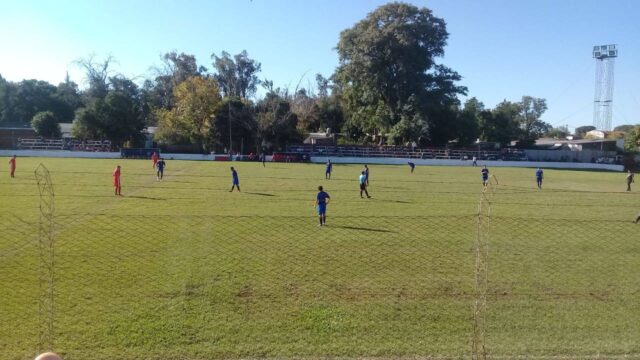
(193, 287)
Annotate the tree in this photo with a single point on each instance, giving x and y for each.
(116, 117)
(624, 128)
(531, 126)
(557, 133)
(175, 69)
(581, 131)
(277, 125)
(632, 140)
(236, 76)
(500, 124)
(389, 77)
(46, 125)
(97, 75)
(237, 113)
(191, 119)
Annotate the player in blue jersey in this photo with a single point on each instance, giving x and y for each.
(160, 168)
(539, 177)
(363, 184)
(235, 180)
(485, 175)
(412, 166)
(322, 199)
(327, 173)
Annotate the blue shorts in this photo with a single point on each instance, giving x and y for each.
(322, 209)
(236, 182)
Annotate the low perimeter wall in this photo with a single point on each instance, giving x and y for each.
(320, 159)
(439, 162)
(102, 155)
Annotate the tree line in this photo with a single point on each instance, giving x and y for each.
(388, 88)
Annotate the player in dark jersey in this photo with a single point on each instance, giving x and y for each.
(485, 175)
(412, 166)
(366, 173)
(629, 180)
(235, 181)
(160, 165)
(322, 199)
(329, 169)
(539, 177)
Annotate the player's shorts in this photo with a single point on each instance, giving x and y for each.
(236, 182)
(322, 209)
(363, 186)
(485, 178)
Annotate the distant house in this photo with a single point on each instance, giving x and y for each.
(65, 130)
(321, 138)
(596, 134)
(601, 144)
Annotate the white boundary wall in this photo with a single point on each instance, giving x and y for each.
(320, 159)
(493, 163)
(103, 155)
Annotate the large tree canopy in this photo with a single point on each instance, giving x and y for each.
(237, 76)
(389, 74)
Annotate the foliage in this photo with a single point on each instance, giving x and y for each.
(557, 133)
(581, 131)
(46, 125)
(531, 126)
(632, 140)
(277, 125)
(238, 114)
(389, 78)
(237, 76)
(191, 119)
(624, 128)
(20, 102)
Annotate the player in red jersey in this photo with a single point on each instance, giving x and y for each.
(12, 165)
(116, 181)
(154, 158)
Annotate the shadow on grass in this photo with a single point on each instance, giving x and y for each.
(361, 229)
(259, 194)
(144, 197)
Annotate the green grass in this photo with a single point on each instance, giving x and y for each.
(183, 269)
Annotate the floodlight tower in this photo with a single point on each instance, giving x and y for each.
(605, 56)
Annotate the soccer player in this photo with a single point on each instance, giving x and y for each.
(327, 173)
(12, 166)
(485, 175)
(363, 184)
(322, 199)
(236, 181)
(539, 177)
(154, 159)
(629, 180)
(475, 161)
(160, 167)
(116, 181)
(366, 173)
(263, 158)
(412, 166)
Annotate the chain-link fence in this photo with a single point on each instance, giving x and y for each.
(200, 287)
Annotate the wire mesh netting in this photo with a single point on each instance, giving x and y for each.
(195, 287)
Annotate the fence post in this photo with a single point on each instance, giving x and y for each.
(46, 308)
(481, 271)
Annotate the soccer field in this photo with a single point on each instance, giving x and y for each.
(184, 269)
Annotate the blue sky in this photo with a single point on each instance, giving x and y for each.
(503, 48)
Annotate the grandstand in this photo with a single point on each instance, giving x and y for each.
(63, 144)
(407, 152)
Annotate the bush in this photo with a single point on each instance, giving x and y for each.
(46, 125)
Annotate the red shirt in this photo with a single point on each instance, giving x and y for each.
(154, 158)
(116, 177)
(12, 163)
